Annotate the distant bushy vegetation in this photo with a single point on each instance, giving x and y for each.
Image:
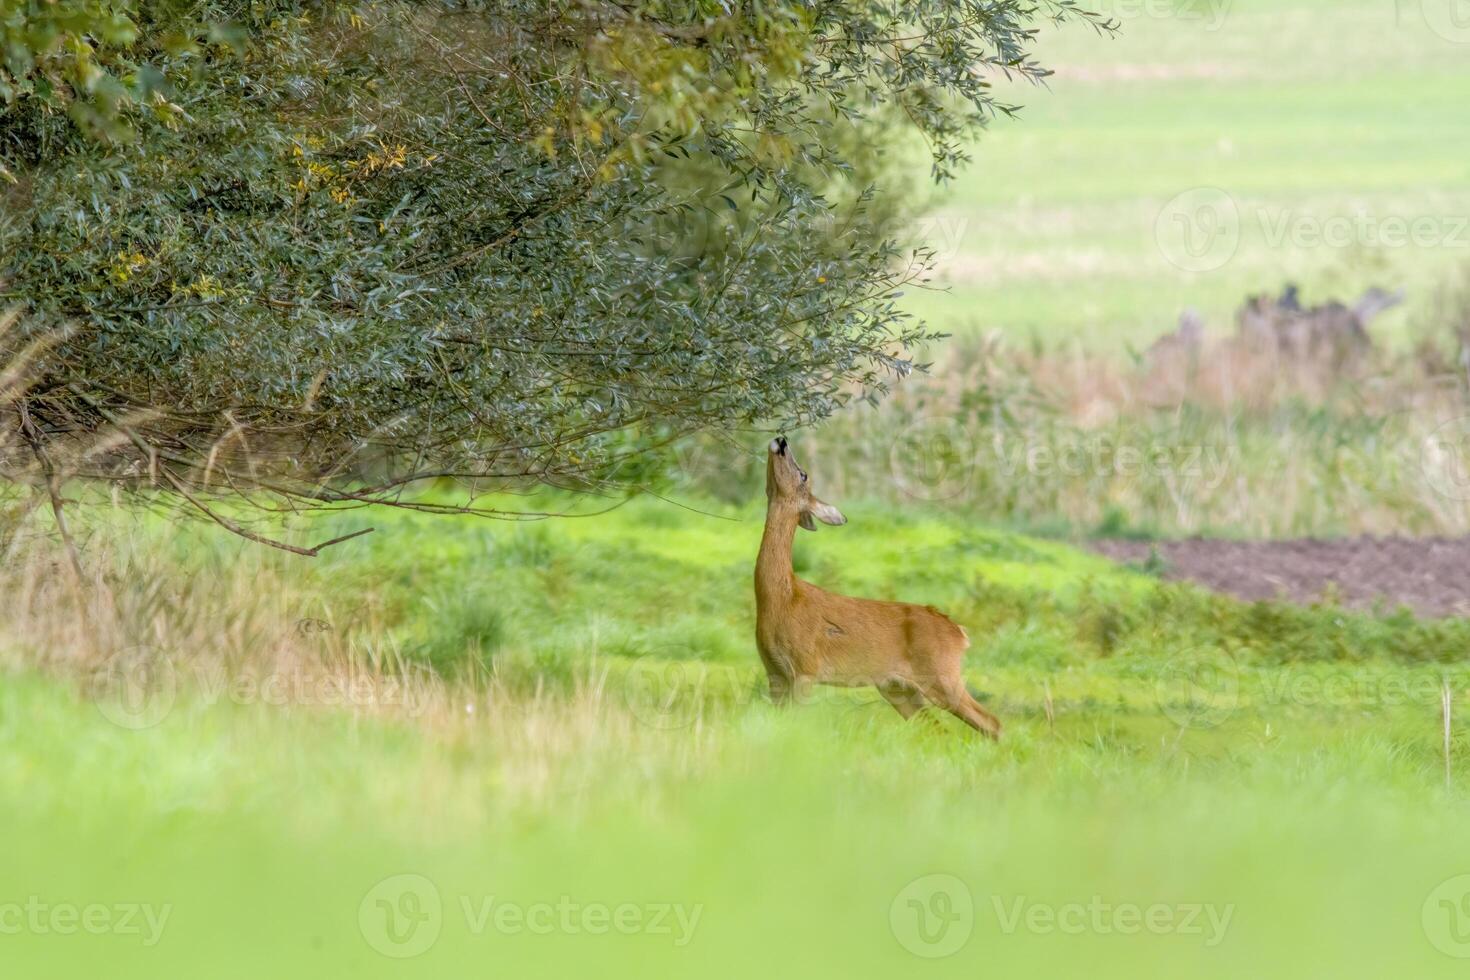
(1060, 442)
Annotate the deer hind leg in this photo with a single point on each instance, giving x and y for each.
(951, 695)
(906, 698)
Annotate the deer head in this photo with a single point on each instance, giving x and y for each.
(787, 487)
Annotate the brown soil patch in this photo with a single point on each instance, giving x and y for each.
(1429, 575)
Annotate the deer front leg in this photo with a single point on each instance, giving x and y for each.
(779, 675)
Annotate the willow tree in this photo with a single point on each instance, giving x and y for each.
(324, 250)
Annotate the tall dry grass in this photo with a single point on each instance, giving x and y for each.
(1220, 439)
(148, 619)
(164, 624)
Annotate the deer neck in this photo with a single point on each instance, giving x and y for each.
(774, 578)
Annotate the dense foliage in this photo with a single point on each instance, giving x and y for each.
(328, 248)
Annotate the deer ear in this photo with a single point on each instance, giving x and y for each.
(806, 520)
(825, 513)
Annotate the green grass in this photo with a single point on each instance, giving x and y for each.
(653, 581)
(1319, 829)
(1281, 767)
(1304, 111)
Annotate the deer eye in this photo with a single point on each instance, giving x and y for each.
(803, 475)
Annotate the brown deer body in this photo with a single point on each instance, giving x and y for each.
(806, 635)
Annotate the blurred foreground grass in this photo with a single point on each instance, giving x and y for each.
(585, 777)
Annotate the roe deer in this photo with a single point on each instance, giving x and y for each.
(806, 635)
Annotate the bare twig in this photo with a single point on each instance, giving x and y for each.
(214, 515)
(53, 489)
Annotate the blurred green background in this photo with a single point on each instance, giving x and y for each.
(1320, 132)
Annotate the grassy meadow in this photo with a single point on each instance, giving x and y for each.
(566, 718)
(459, 746)
(1210, 150)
